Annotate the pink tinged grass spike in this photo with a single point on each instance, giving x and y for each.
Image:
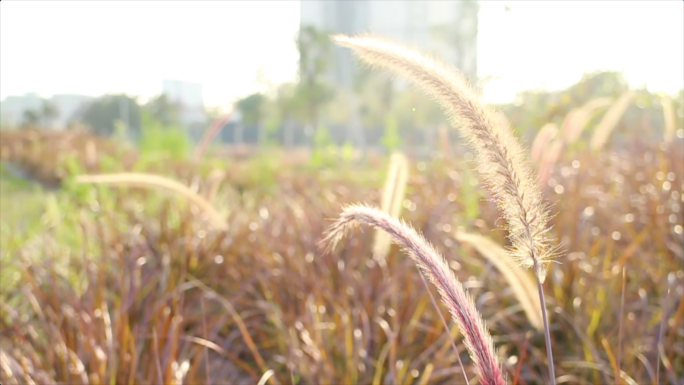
(476, 337)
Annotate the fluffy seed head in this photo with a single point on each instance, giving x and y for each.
(500, 156)
(476, 337)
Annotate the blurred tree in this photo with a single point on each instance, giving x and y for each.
(460, 36)
(324, 151)
(104, 111)
(31, 118)
(48, 113)
(391, 139)
(289, 106)
(417, 115)
(315, 56)
(534, 108)
(362, 76)
(375, 96)
(162, 141)
(252, 110)
(337, 111)
(387, 95)
(161, 108)
(268, 90)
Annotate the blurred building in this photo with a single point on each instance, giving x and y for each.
(66, 105)
(188, 97)
(445, 28)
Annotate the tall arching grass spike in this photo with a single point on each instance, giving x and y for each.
(475, 335)
(499, 154)
(500, 157)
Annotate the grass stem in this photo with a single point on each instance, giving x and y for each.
(547, 336)
(446, 329)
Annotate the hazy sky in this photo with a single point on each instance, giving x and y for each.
(553, 42)
(124, 46)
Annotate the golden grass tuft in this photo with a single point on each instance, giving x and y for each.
(392, 197)
(523, 285)
(670, 117)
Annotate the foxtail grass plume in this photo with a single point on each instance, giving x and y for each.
(499, 154)
(392, 197)
(476, 337)
(150, 180)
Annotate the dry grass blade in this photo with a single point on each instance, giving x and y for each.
(661, 329)
(577, 119)
(213, 183)
(392, 197)
(610, 120)
(670, 118)
(150, 180)
(620, 319)
(402, 167)
(524, 287)
(268, 374)
(476, 337)
(21, 373)
(548, 146)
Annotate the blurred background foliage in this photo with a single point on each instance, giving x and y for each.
(291, 114)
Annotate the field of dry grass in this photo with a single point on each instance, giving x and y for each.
(125, 265)
(131, 285)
